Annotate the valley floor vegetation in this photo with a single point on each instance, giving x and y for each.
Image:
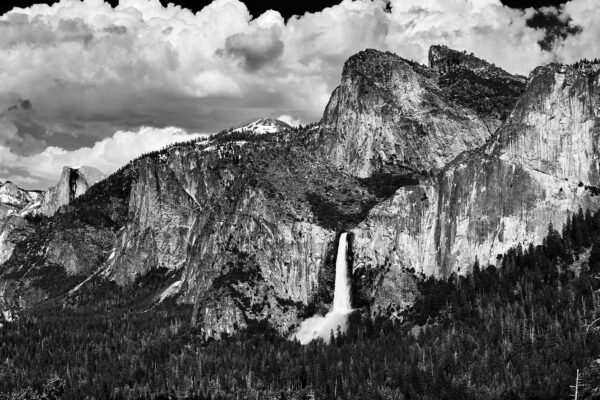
(519, 331)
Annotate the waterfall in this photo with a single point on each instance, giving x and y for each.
(341, 296)
(319, 326)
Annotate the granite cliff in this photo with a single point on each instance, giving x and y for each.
(73, 182)
(540, 167)
(15, 204)
(391, 114)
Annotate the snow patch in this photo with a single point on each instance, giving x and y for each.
(8, 317)
(263, 126)
(170, 291)
(192, 197)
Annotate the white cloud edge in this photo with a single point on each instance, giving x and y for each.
(107, 155)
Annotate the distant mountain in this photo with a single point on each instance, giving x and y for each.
(14, 199)
(15, 203)
(263, 126)
(72, 183)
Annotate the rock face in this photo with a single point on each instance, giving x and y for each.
(541, 166)
(443, 59)
(476, 84)
(13, 200)
(390, 114)
(246, 251)
(15, 204)
(73, 183)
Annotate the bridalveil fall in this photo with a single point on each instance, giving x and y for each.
(319, 326)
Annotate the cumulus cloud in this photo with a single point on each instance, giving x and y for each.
(89, 69)
(584, 14)
(557, 26)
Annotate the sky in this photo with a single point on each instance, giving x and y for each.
(98, 83)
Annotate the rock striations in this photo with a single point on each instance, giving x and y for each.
(428, 168)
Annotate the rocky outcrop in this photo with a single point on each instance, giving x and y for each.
(443, 60)
(541, 167)
(391, 114)
(15, 204)
(73, 183)
(193, 211)
(476, 84)
(14, 200)
(12, 231)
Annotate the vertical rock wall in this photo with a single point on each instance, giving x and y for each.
(537, 171)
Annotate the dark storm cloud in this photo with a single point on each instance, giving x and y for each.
(117, 30)
(556, 27)
(20, 129)
(255, 49)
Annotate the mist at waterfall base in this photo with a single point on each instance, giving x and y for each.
(319, 326)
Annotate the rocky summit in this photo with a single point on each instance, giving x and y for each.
(73, 183)
(429, 169)
(262, 126)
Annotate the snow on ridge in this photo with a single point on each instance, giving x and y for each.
(262, 126)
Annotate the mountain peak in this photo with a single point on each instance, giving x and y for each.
(263, 125)
(443, 59)
(73, 182)
(13, 196)
(91, 174)
(373, 63)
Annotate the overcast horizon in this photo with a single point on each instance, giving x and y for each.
(86, 83)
